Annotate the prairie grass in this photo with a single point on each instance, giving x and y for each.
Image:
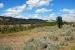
(21, 27)
(5, 47)
(51, 42)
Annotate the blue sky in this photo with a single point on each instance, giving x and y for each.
(42, 9)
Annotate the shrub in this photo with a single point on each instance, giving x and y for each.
(69, 38)
(53, 47)
(73, 25)
(5, 47)
(4, 29)
(59, 21)
(0, 28)
(61, 42)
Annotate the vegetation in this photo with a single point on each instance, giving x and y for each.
(56, 40)
(5, 47)
(73, 48)
(59, 21)
(51, 42)
(10, 21)
(22, 27)
(9, 24)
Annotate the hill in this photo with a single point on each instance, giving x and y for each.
(11, 20)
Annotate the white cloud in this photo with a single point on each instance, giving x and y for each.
(36, 3)
(42, 10)
(68, 17)
(34, 16)
(69, 14)
(52, 16)
(20, 16)
(1, 5)
(30, 16)
(73, 15)
(33, 2)
(15, 10)
(18, 10)
(44, 2)
(68, 10)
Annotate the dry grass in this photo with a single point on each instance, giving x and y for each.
(41, 38)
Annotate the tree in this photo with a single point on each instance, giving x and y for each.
(59, 21)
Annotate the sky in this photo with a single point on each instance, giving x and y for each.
(40, 9)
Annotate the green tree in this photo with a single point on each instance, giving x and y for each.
(59, 21)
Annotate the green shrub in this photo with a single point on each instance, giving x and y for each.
(5, 47)
(53, 47)
(59, 21)
(4, 29)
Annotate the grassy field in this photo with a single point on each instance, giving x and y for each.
(4, 29)
(40, 38)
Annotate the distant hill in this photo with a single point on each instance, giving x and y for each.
(11, 20)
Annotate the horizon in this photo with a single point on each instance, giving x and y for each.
(39, 9)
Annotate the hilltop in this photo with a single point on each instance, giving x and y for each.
(11, 20)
